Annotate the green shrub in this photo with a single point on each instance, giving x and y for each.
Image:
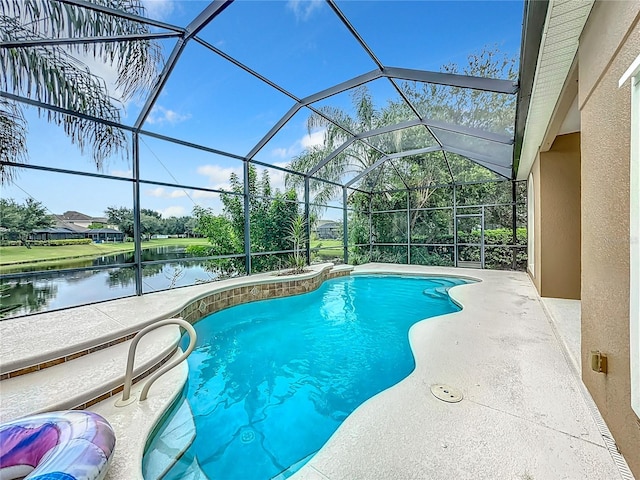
(10, 243)
(498, 251)
(432, 256)
(47, 243)
(497, 255)
(68, 241)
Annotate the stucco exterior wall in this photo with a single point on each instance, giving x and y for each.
(557, 222)
(535, 274)
(609, 43)
(560, 218)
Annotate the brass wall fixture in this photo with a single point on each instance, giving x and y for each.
(598, 362)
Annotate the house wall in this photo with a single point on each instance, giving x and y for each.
(560, 218)
(608, 45)
(556, 175)
(536, 273)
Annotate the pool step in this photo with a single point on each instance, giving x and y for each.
(437, 293)
(166, 450)
(85, 379)
(194, 472)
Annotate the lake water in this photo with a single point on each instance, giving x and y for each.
(53, 289)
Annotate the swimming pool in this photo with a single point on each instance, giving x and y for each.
(271, 381)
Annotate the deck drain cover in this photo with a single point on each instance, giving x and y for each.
(247, 436)
(446, 393)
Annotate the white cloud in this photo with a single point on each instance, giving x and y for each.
(279, 152)
(160, 115)
(219, 176)
(174, 211)
(277, 177)
(104, 70)
(203, 194)
(122, 173)
(313, 139)
(158, 9)
(303, 9)
(309, 140)
(162, 193)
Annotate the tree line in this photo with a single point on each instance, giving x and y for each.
(19, 220)
(58, 78)
(151, 222)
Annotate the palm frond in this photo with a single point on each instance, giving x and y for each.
(137, 62)
(52, 75)
(13, 138)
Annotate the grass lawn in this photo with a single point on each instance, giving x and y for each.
(325, 252)
(67, 256)
(24, 255)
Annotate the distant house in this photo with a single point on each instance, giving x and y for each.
(100, 235)
(55, 233)
(327, 229)
(79, 219)
(72, 225)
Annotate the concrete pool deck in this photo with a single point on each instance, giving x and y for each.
(525, 413)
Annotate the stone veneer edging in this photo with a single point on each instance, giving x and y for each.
(205, 305)
(230, 297)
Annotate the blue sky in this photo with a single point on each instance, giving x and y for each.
(299, 44)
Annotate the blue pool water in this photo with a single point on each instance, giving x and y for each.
(271, 381)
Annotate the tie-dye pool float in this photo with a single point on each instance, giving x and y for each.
(70, 445)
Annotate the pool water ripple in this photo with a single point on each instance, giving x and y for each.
(271, 381)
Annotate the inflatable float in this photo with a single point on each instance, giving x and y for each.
(70, 445)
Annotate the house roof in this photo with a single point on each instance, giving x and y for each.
(103, 230)
(53, 230)
(71, 215)
(561, 31)
(69, 226)
(326, 223)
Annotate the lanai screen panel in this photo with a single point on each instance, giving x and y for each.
(366, 107)
(235, 86)
(209, 101)
(289, 41)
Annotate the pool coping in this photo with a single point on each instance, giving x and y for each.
(339, 452)
(128, 457)
(26, 347)
(524, 412)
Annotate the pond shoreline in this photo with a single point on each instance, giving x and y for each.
(61, 259)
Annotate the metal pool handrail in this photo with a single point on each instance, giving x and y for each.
(128, 377)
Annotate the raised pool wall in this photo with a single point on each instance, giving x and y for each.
(217, 296)
(280, 286)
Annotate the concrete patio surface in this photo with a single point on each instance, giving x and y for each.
(525, 412)
(565, 315)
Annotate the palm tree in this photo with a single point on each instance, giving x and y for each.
(55, 74)
(412, 171)
(351, 161)
(471, 108)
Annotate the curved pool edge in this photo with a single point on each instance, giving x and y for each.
(386, 270)
(127, 460)
(26, 348)
(309, 471)
(404, 432)
(135, 423)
